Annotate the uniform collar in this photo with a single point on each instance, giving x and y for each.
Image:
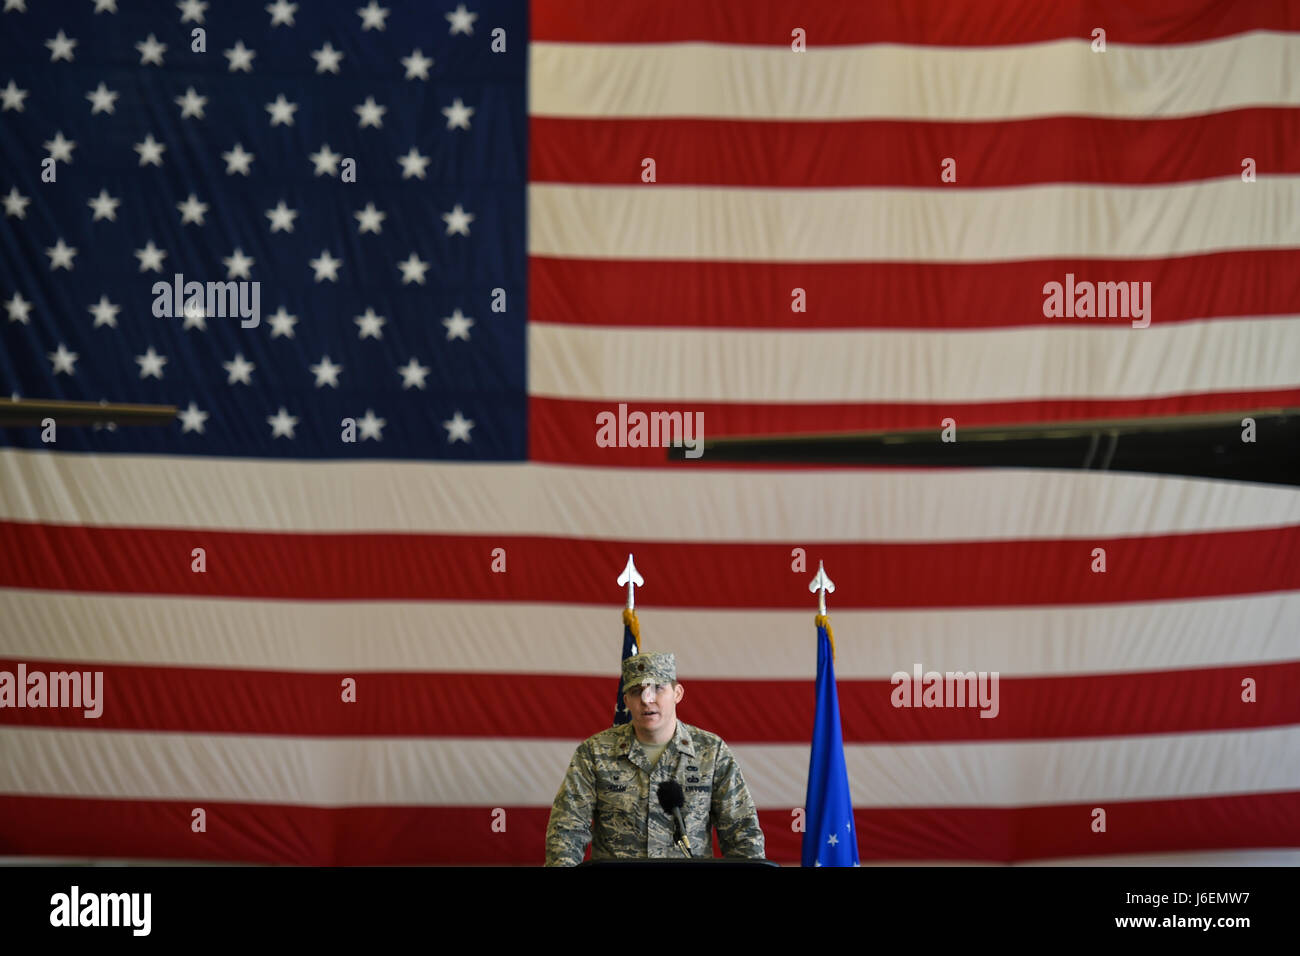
(635, 750)
(682, 737)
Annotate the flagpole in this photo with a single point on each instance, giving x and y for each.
(822, 584)
(631, 633)
(829, 837)
(632, 579)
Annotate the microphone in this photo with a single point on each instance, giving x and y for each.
(672, 799)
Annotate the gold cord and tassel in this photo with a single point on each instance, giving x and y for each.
(824, 620)
(630, 621)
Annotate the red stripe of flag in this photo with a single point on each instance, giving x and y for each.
(902, 153)
(430, 567)
(897, 295)
(564, 430)
(366, 836)
(460, 705)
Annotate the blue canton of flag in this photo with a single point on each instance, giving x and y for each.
(829, 838)
(354, 179)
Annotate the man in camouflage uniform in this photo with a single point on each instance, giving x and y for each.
(609, 797)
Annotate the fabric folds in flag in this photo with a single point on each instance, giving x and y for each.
(498, 275)
(829, 838)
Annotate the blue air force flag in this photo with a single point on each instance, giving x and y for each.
(829, 837)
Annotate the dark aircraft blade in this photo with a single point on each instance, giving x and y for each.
(1203, 446)
(32, 411)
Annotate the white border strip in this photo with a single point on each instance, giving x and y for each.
(557, 639)
(894, 81)
(1020, 223)
(804, 507)
(638, 367)
(509, 772)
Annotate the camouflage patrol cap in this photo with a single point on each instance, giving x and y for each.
(649, 669)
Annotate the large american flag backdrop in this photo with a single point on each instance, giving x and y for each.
(447, 211)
